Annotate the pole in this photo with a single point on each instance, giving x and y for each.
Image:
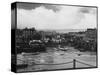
(74, 63)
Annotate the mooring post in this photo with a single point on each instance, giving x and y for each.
(74, 63)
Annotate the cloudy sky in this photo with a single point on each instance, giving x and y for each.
(46, 16)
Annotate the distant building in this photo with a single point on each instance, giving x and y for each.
(48, 34)
(27, 33)
(91, 33)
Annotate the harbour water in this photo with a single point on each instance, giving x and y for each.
(55, 58)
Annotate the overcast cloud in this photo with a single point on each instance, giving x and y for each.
(56, 17)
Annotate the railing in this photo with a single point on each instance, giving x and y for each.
(74, 61)
(77, 61)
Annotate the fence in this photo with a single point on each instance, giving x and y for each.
(77, 61)
(74, 62)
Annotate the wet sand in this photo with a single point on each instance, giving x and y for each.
(55, 59)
